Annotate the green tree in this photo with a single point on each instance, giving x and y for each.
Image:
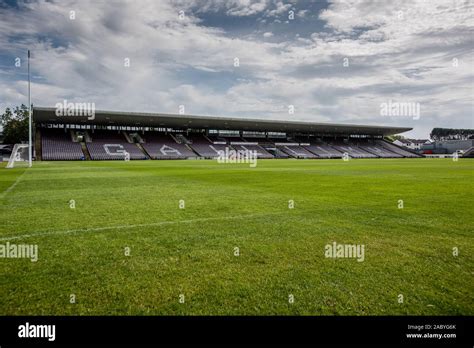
(15, 125)
(392, 138)
(448, 133)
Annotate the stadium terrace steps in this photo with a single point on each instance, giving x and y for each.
(57, 145)
(140, 146)
(164, 146)
(127, 137)
(85, 151)
(469, 153)
(266, 141)
(87, 137)
(209, 147)
(297, 151)
(379, 151)
(216, 139)
(396, 149)
(208, 150)
(261, 152)
(353, 150)
(180, 138)
(74, 136)
(112, 146)
(240, 144)
(204, 147)
(257, 140)
(324, 151)
(275, 151)
(138, 138)
(268, 145)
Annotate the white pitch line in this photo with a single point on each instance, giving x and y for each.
(4, 193)
(96, 229)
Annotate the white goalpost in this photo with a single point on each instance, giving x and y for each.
(30, 141)
(19, 156)
(22, 154)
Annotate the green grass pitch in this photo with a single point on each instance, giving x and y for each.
(191, 251)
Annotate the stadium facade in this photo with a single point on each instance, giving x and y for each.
(110, 135)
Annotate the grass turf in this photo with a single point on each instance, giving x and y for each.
(190, 251)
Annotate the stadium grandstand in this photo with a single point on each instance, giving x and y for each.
(111, 135)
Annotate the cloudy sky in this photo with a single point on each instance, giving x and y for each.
(334, 61)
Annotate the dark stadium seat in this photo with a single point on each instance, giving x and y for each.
(57, 145)
(110, 145)
(204, 146)
(261, 152)
(396, 149)
(297, 151)
(378, 150)
(324, 151)
(352, 150)
(163, 146)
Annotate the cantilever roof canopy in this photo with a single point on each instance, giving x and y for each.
(139, 119)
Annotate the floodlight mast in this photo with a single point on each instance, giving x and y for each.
(30, 147)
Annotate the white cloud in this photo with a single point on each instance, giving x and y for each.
(302, 13)
(280, 8)
(238, 8)
(180, 61)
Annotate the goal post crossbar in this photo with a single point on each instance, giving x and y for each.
(19, 154)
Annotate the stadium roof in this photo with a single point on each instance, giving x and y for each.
(140, 119)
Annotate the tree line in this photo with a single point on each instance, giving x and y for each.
(15, 125)
(451, 133)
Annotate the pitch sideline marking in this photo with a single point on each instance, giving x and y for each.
(4, 193)
(106, 228)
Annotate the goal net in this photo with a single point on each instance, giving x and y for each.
(19, 156)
